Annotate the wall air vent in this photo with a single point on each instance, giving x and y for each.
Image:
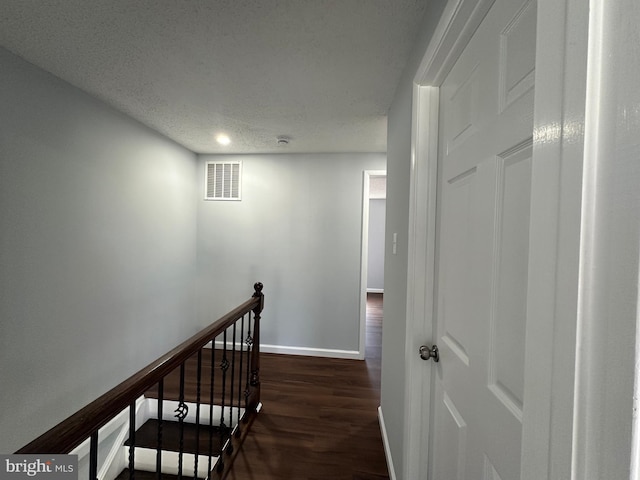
(223, 180)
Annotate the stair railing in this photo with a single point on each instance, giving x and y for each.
(224, 358)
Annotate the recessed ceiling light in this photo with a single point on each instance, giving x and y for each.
(283, 140)
(223, 139)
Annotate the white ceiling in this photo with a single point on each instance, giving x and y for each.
(322, 72)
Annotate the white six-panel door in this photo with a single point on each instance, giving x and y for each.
(484, 185)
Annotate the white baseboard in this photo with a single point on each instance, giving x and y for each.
(375, 290)
(305, 351)
(385, 442)
(311, 352)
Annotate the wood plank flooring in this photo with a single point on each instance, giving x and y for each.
(319, 419)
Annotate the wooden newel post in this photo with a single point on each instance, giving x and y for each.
(255, 354)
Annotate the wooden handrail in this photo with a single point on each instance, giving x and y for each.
(68, 434)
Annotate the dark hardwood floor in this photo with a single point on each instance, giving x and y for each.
(319, 418)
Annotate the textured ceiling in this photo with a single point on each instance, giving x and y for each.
(322, 72)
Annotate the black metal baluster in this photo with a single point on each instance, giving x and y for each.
(224, 366)
(255, 350)
(247, 391)
(181, 412)
(93, 457)
(160, 426)
(231, 390)
(211, 400)
(132, 439)
(240, 373)
(198, 394)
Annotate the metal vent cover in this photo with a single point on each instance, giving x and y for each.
(223, 180)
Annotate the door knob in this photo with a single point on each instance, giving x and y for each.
(426, 353)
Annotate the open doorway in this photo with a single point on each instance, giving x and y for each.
(372, 262)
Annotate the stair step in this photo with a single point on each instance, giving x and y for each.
(142, 475)
(231, 414)
(147, 437)
(145, 460)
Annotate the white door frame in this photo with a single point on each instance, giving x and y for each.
(556, 217)
(459, 21)
(557, 438)
(607, 353)
(364, 259)
(421, 272)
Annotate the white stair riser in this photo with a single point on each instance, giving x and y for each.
(169, 408)
(145, 460)
(113, 456)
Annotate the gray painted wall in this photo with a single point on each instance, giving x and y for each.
(395, 299)
(97, 249)
(375, 264)
(101, 225)
(297, 230)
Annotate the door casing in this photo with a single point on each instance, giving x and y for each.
(364, 257)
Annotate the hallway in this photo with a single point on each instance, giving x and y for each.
(319, 419)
